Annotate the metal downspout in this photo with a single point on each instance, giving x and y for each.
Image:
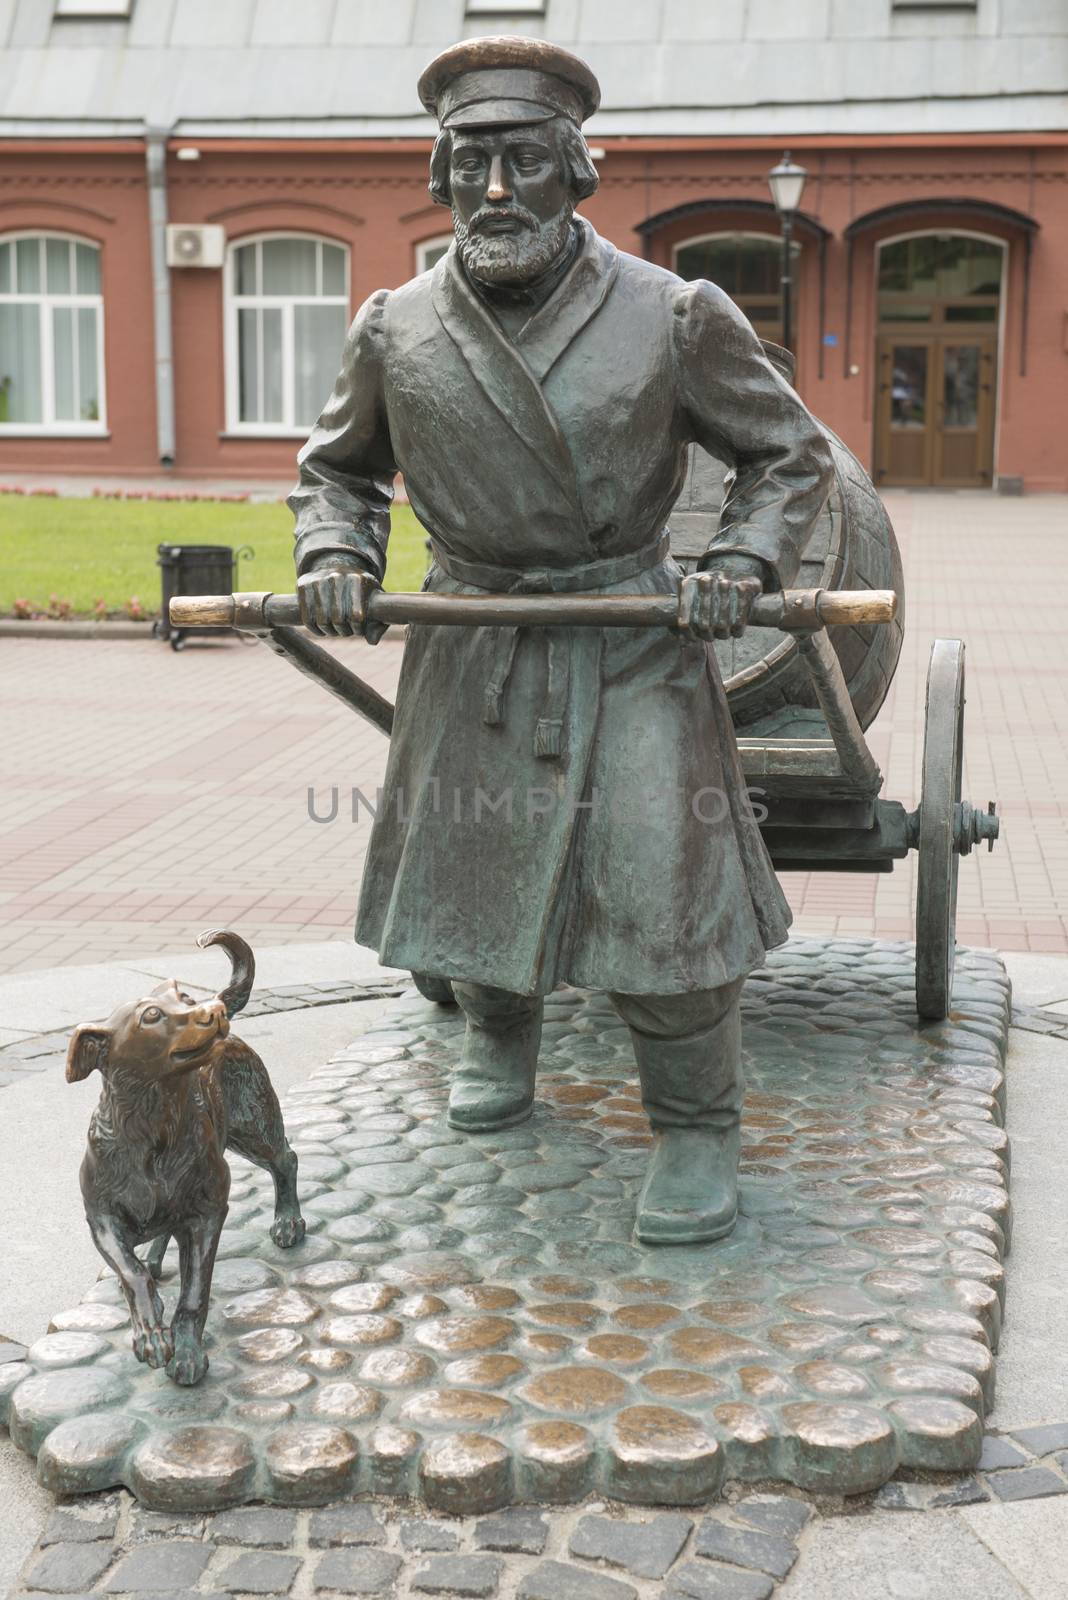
(156, 165)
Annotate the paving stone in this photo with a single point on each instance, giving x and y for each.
(258, 1572)
(342, 1525)
(255, 1525)
(68, 1568)
(645, 1549)
(166, 1565)
(521, 1530)
(1026, 1483)
(1000, 1452)
(358, 1571)
(966, 1492)
(145, 1525)
(745, 1547)
(779, 1513)
(476, 1576)
(1042, 1441)
(556, 1580)
(700, 1580)
(69, 1526)
(428, 1536)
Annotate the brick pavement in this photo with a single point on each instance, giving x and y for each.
(148, 794)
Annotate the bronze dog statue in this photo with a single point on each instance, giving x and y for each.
(178, 1091)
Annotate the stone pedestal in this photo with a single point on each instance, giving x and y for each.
(471, 1321)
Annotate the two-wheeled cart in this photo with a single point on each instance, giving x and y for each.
(820, 782)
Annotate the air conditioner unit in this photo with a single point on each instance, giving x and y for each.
(202, 245)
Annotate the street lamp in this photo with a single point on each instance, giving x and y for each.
(787, 184)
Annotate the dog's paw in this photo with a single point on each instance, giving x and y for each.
(287, 1231)
(188, 1364)
(153, 1346)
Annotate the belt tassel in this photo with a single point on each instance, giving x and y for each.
(549, 732)
(504, 649)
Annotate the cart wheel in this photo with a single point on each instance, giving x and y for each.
(936, 878)
(437, 989)
(177, 641)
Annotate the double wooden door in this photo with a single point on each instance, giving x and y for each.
(934, 420)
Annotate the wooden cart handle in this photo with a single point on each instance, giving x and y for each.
(793, 610)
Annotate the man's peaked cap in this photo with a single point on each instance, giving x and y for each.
(507, 81)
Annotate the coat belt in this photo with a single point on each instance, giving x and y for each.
(548, 733)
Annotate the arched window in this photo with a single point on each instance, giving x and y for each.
(428, 252)
(287, 314)
(748, 267)
(51, 335)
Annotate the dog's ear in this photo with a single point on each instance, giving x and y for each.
(88, 1050)
(169, 986)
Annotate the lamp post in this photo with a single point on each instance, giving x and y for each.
(787, 184)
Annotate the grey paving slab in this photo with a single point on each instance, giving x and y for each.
(720, 1540)
(267, 1526)
(257, 1572)
(70, 1568)
(1032, 1381)
(521, 1530)
(166, 1565)
(357, 1571)
(80, 1525)
(424, 1537)
(708, 1580)
(1030, 1542)
(1037, 980)
(1026, 1483)
(345, 1525)
(645, 1550)
(907, 1556)
(1000, 1452)
(775, 1514)
(474, 1577)
(1044, 1439)
(61, 997)
(558, 1580)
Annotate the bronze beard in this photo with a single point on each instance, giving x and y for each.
(517, 258)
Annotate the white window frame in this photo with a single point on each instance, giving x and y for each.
(734, 233)
(94, 9)
(46, 304)
(288, 428)
(505, 8)
(424, 247)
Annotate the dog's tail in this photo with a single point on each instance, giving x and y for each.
(235, 996)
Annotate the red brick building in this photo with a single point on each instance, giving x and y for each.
(931, 266)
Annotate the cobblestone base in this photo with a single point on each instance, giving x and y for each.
(470, 1321)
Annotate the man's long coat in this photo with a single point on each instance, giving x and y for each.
(563, 805)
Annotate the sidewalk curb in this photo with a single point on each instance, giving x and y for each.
(16, 629)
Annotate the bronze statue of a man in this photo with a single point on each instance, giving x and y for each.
(563, 805)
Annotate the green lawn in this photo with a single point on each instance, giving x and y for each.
(83, 551)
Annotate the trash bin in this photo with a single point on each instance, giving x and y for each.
(194, 569)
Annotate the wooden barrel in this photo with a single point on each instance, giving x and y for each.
(852, 546)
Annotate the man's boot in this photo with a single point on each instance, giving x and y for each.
(692, 1091)
(493, 1087)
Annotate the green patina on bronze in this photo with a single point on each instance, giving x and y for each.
(540, 391)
